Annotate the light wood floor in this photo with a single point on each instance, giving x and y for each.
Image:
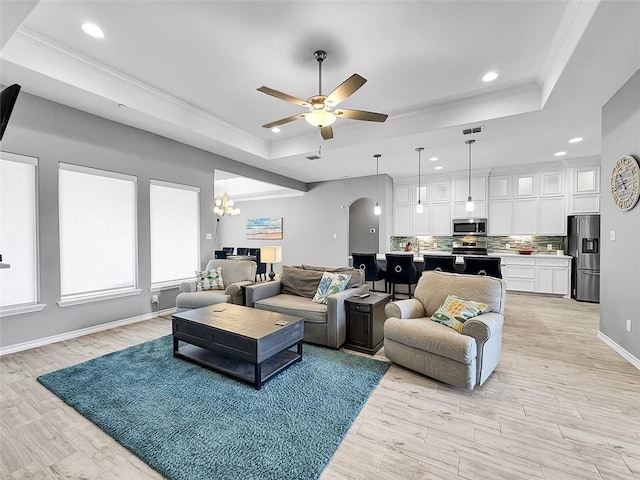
(560, 406)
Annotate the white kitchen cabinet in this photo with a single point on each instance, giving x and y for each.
(525, 185)
(500, 187)
(461, 189)
(525, 216)
(421, 193)
(552, 275)
(420, 221)
(402, 195)
(402, 220)
(479, 209)
(440, 192)
(586, 180)
(551, 184)
(519, 273)
(440, 219)
(552, 216)
(500, 217)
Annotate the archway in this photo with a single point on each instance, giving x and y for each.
(364, 227)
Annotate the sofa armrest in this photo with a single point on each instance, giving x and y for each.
(258, 291)
(235, 289)
(337, 316)
(187, 287)
(408, 308)
(483, 326)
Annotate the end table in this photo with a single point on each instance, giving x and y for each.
(365, 322)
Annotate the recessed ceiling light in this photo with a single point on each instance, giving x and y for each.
(489, 76)
(576, 140)
(275, 130)
(433, 159)
(439, 167)
(560, 154)
(93, 30)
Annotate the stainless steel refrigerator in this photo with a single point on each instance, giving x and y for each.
(584, 247)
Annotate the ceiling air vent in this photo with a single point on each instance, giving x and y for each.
(313, 157)
(469, 131)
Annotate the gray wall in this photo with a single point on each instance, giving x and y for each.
(620, 259)
(361, 221)
(311, 221)
(54, 133)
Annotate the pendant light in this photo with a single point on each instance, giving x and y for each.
(419, 207)
(377, 210)
(469, 206)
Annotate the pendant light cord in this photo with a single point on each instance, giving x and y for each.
(419, 150)
(470, 142)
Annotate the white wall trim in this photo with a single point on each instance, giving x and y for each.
(18, 347)
(619, 350)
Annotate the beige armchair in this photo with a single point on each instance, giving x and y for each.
(466, 359)
(235, 275)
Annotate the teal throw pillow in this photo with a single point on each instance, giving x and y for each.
(329, 284)
(209, 280)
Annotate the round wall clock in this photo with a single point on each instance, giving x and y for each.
(625, 182)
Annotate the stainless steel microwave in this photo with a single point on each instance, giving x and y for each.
(469, 226)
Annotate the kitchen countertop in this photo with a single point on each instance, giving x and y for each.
(418, 256)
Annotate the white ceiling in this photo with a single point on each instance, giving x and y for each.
(190, 70)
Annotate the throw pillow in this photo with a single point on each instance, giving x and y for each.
(457, 310)
(329, 284)
(209, 280)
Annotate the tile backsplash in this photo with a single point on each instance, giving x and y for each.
(540, 244)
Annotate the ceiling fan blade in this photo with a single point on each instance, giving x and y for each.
(283, 96)
(346, 89)
(361, 115)
(282, 121)
(327, 132)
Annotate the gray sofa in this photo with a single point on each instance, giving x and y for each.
(235, 275)
(292, 294)
(466, 359)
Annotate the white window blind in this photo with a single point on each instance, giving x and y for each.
(175, 232)
(98, 247)
(18, 233)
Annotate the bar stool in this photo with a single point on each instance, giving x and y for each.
(220, 254)
(229, 250)
(489, 266)
(440, 263)
(242, 251)
(372, 271)
(400, 269)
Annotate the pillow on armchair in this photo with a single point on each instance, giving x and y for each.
(209, 280)
(457, 310)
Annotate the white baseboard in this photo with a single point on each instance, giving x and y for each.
(619, 350)
(19, 347)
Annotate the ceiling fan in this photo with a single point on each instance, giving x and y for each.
(322, 112)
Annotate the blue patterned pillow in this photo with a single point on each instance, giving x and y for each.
(329, 284)
(209, 280)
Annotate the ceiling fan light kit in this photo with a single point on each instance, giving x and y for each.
(322, 113)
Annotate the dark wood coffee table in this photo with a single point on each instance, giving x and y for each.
(241, 342)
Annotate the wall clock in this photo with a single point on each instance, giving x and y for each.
(625, 182)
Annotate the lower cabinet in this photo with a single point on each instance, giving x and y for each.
(365, 322)
(540, 274)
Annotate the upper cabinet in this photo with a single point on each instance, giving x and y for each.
(402, 195)
(585, 190)
(551, 184)
(440, 192)
(500, 187)
(525, 185)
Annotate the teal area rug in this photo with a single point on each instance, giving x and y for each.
(190, 423)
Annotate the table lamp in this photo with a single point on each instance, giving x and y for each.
(271, 255)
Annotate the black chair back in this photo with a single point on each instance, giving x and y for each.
(489, 266)
(369, 264)
(220, 254)
(262, 267)
(401, 269)
(242, 251)
(229, 250)
(440, 263)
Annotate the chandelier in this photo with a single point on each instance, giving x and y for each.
(224, 206)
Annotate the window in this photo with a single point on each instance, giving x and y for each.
(98, 249)
(18, 235)
(175, 233)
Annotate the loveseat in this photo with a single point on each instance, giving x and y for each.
(235, 274)
(292, 294)
(463, 358)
